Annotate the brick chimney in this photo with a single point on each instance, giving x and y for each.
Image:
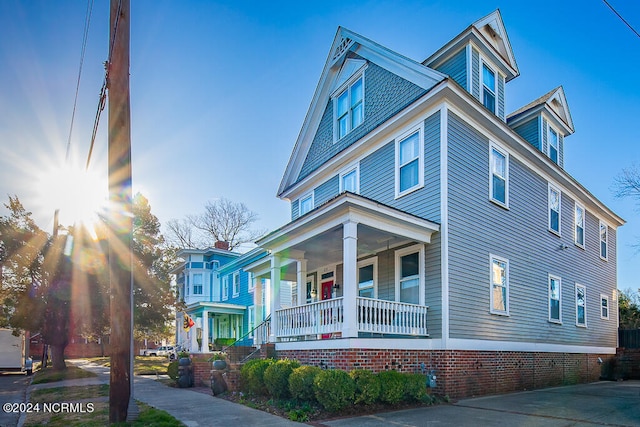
(221, 245)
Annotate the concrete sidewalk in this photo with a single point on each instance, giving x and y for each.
(192, 408)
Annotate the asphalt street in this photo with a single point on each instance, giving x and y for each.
(13, 387)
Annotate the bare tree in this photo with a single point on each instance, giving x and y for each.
(627, 184)
(227, 221)
(180, 233)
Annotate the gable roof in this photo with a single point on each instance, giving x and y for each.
(346, 41)
(491, 33)
(554, 103)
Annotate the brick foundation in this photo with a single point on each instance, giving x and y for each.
(465, 373)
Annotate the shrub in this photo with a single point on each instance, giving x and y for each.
(415, 387)
(392, 387)
(334, 389)
(301, 383)
(367, 386)
(252, 376)
(276, 377)
(172, 370)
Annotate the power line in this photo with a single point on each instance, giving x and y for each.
(87, 23)
(621, 18)
(103, 91)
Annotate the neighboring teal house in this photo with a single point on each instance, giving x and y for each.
(432, 230)
(220, 297)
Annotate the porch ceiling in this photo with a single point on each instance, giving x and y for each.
(318, 236)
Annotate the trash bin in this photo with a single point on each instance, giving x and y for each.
(185, 373)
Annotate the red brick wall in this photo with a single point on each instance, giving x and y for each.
(465, 373)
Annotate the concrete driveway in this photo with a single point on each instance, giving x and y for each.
(596, 404)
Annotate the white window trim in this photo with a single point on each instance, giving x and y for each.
(505, 153)
(347, 171)
(370, 261)
(555, 188)
(575, 225)
(236, 280)
(559, 320)
(346, 86)
(600, 224)
(605, 297)
(406, 251)
(584, 290)
(491, 309)
(304, 197)
(483, 62)
(251, 279)
(420, 129)
(548, 153)
(225, 288)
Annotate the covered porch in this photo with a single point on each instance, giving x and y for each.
(212, 320)
(357, 268)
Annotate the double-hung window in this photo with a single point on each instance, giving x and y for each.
(306, 204)
(236, 283)
(579, 215)
(489, 88)
(349, 180)
(225, 287)
(350, 108)
(499, 285)
(581, 305)
(604, 307)
(555, 299)
(604, 240)
(554, 209)
(499, 167)
(367, 272)
(409, 162)
(197, 284)
(553, 145)
(409, 267)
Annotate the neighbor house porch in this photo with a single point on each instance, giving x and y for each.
(357, 268)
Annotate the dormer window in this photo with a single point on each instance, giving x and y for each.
(489, 88)
(553, 145)
(306, 204)
(349, 106)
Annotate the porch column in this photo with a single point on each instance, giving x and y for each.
(350, 274)
(302, 281)
(275, 296)
(205, 331)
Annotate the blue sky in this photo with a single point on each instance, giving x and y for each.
(219, 90)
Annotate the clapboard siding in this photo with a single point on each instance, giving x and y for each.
(475, 73)
(326, 191)
(385, 94)
(477, 228)
(456, 68)
(500, 96)
(377, 176)
(530, 132)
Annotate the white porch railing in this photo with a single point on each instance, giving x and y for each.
(318, 318)
(261, 332)
(372, 316)
(390, 317)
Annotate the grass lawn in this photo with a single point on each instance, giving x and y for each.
(90, 403)
(142, 365)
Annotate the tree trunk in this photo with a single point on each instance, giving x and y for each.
(57, 357)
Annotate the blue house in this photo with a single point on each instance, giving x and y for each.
(433, 230)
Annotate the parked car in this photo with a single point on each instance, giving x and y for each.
(165, 350)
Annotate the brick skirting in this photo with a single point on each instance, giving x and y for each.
(465, 373)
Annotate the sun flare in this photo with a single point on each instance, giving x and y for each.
(79, 195)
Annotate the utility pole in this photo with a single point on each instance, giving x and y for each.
(121, 214)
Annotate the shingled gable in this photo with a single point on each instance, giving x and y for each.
(347, 42)
(554, 103)
(490, 35)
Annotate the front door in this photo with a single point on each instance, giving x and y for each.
(327, 290)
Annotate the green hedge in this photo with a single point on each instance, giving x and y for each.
(334, 389)
(172, 370)
(367, 386)
(392, 387)
(301, 383)
(252, 376)
(276, 377)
